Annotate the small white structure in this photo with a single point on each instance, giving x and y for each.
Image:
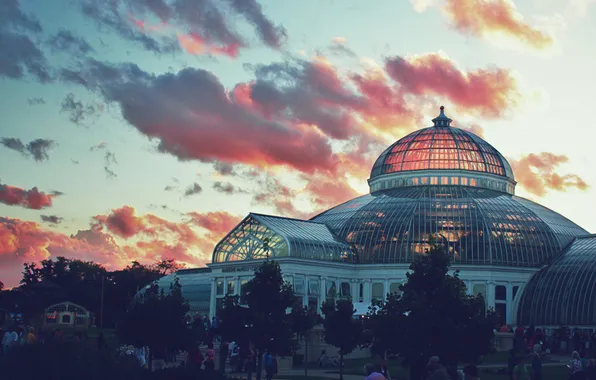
(66, 315)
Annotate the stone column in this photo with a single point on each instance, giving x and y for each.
(510, 317)
(212, 301)
(355, 290)
(385, 289)
(367, 291)
(236, 285)
(490, 294)
(322, 293)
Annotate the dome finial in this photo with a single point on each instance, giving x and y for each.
(442, 120)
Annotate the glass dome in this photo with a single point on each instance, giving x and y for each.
(442, 148)
(564, 293)
(480, 226)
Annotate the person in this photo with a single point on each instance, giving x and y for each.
(224, 350)
(385, 369)
(435, 370)
(512, 362)
(591, 370)
(520, 372)
(31, 338)
(536, 367)
(576, 367)
(251, 364)
(471, 372)
(210, 358)
(270, 364)
(371, 373)
(195, 357)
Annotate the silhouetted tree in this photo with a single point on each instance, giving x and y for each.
(342, 330)
(432, 316)
(262, 319)
(157, 319)
(302, 322)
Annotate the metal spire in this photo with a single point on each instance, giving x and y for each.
(442, 120)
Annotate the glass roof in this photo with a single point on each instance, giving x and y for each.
(261, 236)
(564, 293)
(441, 148)
(196, 288)
(480, 226)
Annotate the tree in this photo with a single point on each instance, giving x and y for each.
(302, 321)
(380, 326)
(263, 314)
(431, 314)
(342, 330)
(157, 319)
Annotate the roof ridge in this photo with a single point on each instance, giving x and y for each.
(287, 218)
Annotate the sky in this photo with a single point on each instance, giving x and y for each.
(147, 129)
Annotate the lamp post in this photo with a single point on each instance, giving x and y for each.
(101, 305)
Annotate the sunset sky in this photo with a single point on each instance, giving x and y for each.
(142, 129)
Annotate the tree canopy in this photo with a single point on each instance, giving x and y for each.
(52, 281)
(260, 315)
(157, 319)
(342, 330)
(433, 316)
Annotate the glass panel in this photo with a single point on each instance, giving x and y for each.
(479, 289)
(314, 286)
(377, 291)
(299, 285)
(220, 288)
(346, 290)
(313, 304)
(394, 288)
(331, 289)
(231, 285)
(500, 293)
(501, 310)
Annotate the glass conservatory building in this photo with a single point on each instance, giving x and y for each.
(531, 264)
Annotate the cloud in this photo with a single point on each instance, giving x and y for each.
(32, 198)
(108, 14)
(537, 173)
(35, 101)
(20, 54)
(38, 149)
(338, 47)
(114, 239)
(51, 219)
(272, 35)
(224, 168)
(218, 223)
(198, 26)
(109, 161)
(483, 17)
(227, 188)
(77, 112)
(65, 41)
(99, 146)
(193, 189)
(305, 117)
(489, 92)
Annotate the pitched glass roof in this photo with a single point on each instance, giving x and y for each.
(260, 236)
(564, 293)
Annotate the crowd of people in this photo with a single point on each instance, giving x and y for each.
(14, 337)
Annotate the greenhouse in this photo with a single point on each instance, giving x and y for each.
(532, 265)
